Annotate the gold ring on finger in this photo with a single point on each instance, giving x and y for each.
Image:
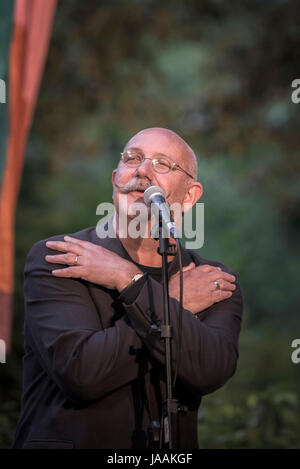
(76, 260)
(218, 287)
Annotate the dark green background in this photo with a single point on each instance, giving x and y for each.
(218, 73)
(6, 17)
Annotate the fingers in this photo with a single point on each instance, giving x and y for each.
(223, 285)
(79, 242)
(62, 246)
(226, 285)
(74, 272)
(189, 267)
(220, 275)
(68, 258)
(216, 272)
(220, 295)
(208, 268)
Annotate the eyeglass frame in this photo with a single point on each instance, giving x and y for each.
(172, 163)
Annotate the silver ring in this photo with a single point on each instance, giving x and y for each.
(217, 285)
(76, 260)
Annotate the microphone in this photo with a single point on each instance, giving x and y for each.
(155, 195)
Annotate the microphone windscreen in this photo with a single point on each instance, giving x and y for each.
(151, 191)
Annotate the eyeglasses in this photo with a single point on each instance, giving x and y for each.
(161, 164)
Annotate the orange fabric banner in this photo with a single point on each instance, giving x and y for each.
(29, 45)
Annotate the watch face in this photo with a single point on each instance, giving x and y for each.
(136, 277)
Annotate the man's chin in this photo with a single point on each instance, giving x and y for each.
(132, 205)
(136, 205)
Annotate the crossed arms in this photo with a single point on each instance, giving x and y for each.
(88, 361)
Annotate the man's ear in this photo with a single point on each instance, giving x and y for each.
(194, 193)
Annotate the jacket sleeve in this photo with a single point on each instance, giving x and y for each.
(83, 359)
(209, 341)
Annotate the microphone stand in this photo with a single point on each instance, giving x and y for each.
(170, 406)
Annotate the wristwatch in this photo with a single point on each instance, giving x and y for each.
(135, 278)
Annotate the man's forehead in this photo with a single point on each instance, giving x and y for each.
(157, 140)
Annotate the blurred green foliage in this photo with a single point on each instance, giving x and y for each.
(219, 73)
(267, 419)
(260, 406)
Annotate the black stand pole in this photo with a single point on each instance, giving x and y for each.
(170, 405)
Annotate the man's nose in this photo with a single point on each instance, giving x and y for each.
(145, 168)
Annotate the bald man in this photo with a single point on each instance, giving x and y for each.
(93, 365)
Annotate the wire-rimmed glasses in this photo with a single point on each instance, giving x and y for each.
(162, 164)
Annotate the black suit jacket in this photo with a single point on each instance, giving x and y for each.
(94, 367)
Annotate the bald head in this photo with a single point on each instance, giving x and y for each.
(171, 140)
(153, 143)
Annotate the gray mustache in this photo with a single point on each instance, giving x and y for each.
(133, 185)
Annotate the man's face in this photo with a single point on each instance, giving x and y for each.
(152, 144)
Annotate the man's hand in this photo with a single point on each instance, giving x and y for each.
(92, 263)
(199, 289)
